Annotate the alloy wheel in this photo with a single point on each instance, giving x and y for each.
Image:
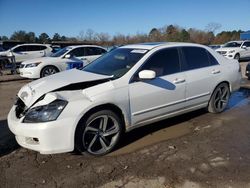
(221, 98)
(101, 134)
(49, 71)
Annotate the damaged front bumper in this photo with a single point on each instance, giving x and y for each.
(46, 138)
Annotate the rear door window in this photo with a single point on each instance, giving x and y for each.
(43, 47)
(195, 57)
(212, 59)
(33, 48)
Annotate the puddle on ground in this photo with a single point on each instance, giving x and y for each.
(155, 137)
(239, 98)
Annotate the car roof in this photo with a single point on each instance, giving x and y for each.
(34, 44)
(149, 46)
(77, 46)
(237, 41)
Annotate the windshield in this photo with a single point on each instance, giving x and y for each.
(116, 63)
(232, 44)
(60, 52)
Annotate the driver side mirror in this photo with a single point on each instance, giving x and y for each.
(147, 74)
(68, 56)
(244, 47)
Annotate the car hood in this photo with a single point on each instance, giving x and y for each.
(3, 53)
(68, 80)
(49, 60)
(226, 49)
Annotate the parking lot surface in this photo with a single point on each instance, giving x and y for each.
(197, 149)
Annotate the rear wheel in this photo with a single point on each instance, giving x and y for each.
(219, 99)
(48, 70)
(99, 134)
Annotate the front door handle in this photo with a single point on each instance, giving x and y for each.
(215, 71)
(179, 80)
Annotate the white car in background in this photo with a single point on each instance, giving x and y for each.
(235, 50)
(60, 61)
(25, 52)
(129, 87)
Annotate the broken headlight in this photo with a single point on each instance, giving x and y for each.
(49, 112)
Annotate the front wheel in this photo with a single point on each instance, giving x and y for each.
(237, 57)
(219, 99)
(48, 70)
(99, 134)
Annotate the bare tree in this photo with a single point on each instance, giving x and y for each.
(103, 37)
(213, 27)
(90, 35)
(81, 35)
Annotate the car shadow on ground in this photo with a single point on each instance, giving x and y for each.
(7, 139)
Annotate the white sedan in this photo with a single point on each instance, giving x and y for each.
(66, 58)
(129, 87)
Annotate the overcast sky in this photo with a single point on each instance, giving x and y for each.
(69, 17)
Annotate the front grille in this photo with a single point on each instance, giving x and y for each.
(222, 52)
(20, 108)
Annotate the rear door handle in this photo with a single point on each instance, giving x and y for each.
(215, 71)
(179, 80)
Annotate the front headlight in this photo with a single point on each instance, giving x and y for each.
(49, 112)
(32, 65)
(232, 51)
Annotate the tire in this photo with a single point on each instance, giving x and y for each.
(237, 57)
(99, 133)
(48, 70)
(219, 99)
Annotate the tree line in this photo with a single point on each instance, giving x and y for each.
(169, 33)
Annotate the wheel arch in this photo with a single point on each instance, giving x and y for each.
(107, 106)
(225, 81)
